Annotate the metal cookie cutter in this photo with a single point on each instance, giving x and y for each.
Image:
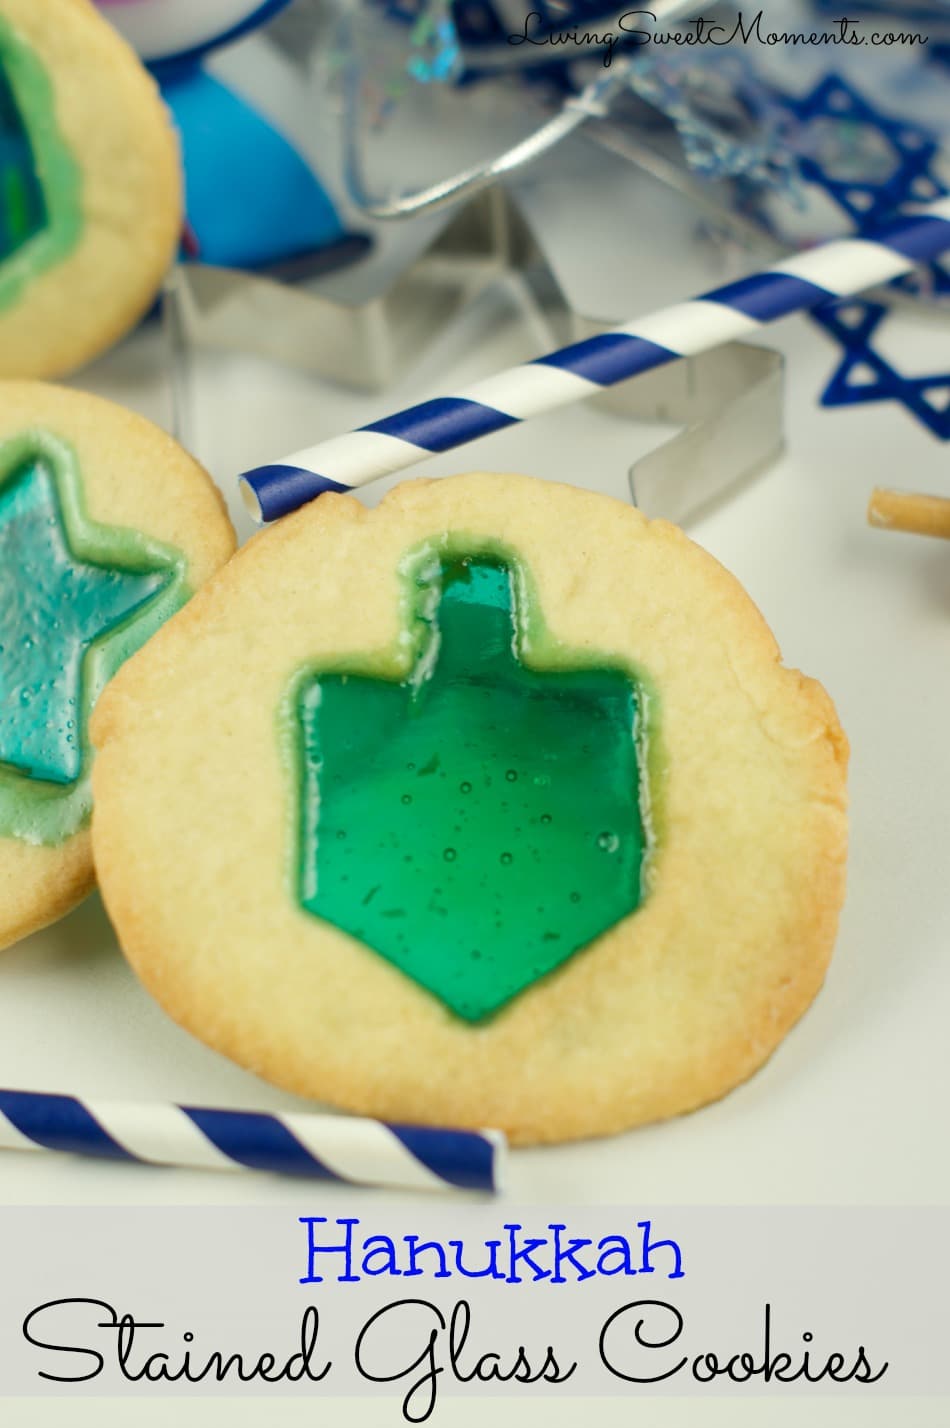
(729, 401)
(730, 404)
(365, 326)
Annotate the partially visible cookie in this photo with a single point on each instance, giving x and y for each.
(106, 528)
(90, 189)
(491, 806)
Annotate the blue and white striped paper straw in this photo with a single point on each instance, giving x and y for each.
(828, 272)
(343, 1148)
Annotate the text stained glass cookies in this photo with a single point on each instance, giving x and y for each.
(408, 677)
(91, 564)
(479, 822)
(90, 190)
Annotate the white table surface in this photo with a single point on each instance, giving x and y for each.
(850, 1110)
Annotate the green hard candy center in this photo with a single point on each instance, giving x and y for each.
(23, 211)
(481, 822)
(41, 188)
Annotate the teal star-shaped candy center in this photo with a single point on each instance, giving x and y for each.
(54, 605)
(478, 823)
(76, 599)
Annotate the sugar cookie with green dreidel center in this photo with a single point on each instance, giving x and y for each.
(463, 811)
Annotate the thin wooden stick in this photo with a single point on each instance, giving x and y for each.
(907, 511)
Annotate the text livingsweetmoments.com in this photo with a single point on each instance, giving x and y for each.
(637, 28)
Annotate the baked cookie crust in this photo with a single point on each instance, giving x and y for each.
(193, 824)
(131, 475)
(112, 127)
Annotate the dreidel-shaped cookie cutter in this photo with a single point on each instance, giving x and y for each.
(584, 369)
(729, 402)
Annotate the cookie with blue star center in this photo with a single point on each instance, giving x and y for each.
(106, 529)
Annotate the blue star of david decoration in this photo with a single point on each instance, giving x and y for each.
(866, 199)
(865, 376)
(55, 605)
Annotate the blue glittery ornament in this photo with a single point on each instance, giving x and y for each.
(726, 118)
